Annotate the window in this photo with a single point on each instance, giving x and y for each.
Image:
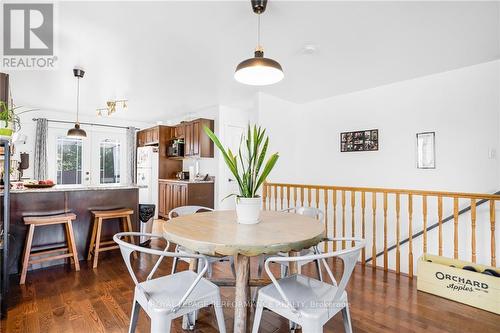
(69, 160)
(109, 162)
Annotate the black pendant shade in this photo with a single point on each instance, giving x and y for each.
(77, 132)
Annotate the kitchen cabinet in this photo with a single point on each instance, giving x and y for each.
(175, 193)
(152, 136)
(196, 141)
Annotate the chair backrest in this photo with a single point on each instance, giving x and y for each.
(187, 210)
(128, 248)
(306, 211)
(349, 256)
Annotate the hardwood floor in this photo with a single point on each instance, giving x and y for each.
(99, 300)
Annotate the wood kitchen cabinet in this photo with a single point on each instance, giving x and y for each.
(154, 136)
(173, 194)
(196, 141)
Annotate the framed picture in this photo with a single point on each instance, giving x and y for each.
(426, 150)
(366, 140)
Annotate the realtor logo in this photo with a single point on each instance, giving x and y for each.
(28, 36)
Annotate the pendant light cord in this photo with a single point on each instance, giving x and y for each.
(259, 47)
(77, 99)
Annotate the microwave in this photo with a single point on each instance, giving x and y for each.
(176, 148)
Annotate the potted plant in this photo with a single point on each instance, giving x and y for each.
(249, 169)
(9, 121)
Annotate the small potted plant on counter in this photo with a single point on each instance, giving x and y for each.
(249, 169)
(9, 121)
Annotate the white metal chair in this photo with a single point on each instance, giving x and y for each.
(305, 301)
(306, 211)
(188, 210)
(169, 297)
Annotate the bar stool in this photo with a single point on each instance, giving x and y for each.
(38, 221)
(100, 216)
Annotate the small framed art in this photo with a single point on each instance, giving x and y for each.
(426, 150)
(366, 140)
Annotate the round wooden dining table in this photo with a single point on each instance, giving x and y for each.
(218, 234)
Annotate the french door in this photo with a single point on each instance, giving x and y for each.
(98, 159)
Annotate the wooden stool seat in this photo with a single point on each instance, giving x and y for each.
(112, 214)
(67, 252)
(50, 219)
(96, 245)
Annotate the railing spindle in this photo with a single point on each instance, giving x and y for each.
(325, 198)
(302, 197)
(334, 199)
(398, 233)
(275, 197)
(309, 197)
(424, 213)
(281, 197)
(363, 206)
(374, 229)
(386, 254)
(288, 197)
(440, 225)
(295, 196)
(492, 224)
(473, 228)
(455, 227)
(410, 233)
(317, 198)
(343, 218)
(353, 219)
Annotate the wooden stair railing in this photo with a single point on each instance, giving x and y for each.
(374, 211)
(433, 226)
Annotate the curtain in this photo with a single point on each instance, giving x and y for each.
(131, 154)
(40, 158)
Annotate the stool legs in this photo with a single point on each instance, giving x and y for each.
(92, 239)
(72, 244)
(27, 251)
(97, 242)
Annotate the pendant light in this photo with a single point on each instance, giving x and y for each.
(259, 71)
(77, 132)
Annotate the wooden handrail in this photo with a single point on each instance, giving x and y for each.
(350, 219)
(469, 195)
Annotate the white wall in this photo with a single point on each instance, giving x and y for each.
(462, 106)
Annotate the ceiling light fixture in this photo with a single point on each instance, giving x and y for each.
(259, 71)
(111, 107)
(76, 131)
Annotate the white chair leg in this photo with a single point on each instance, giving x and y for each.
(261, 266)
(174, 265)
(233, 269)
(318, 268)
(134, 315)
(219, 314)
(258, 316)
(209, 270)
(189, 321)
(347, 319)
(160, 324)
(283, 271)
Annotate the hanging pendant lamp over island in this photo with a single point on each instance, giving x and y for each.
(77, 132)
(259, 71)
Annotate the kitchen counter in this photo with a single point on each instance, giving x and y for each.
(66, 188)
(79, 200)
(187, 181)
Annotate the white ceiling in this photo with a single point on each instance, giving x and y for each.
(171, 58)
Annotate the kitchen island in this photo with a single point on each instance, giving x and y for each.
(63, 199)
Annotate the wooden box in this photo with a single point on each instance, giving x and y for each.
(437, 276)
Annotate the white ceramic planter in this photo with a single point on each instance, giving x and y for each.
(248, 210)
